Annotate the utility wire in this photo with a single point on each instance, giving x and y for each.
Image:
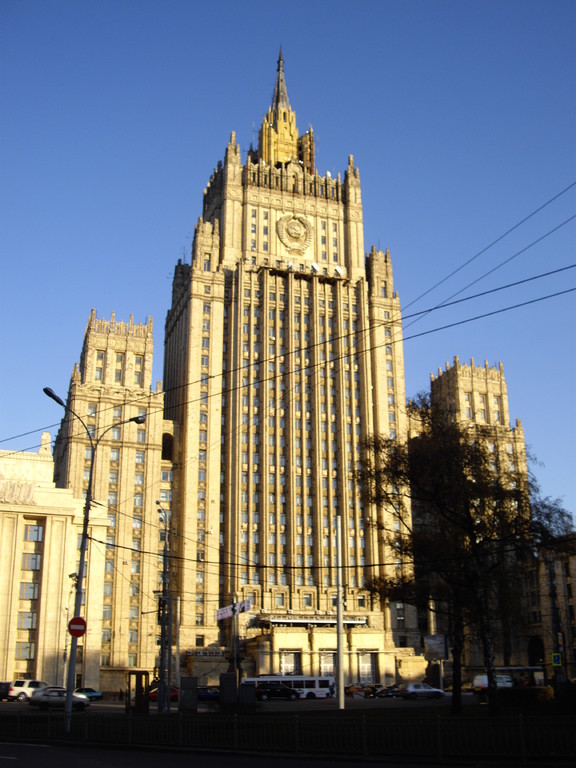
(492, 244)
(335, 338)
(502, 263)
(147, 395)
(489, 314)
(487, 293)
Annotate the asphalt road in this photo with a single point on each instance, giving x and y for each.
(46, 756)
(302, 705)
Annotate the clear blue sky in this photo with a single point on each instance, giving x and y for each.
(461, 117)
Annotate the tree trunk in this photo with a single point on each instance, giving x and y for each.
(457, 651)
(488, 652)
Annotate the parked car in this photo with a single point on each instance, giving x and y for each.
(420, 691)
(208, 693)
(372, 690)
(90, 693)
(353, 688)
(53, 696)
(22, 690)
(265, 691)
(390, 691)
(153, 694)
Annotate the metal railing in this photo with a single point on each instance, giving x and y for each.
(521, 738)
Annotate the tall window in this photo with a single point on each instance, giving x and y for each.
(33, 532)
(28, 590)
(482, 409)
(99, 369)
(497, 409)
(31, 561)
(138, 370)
(25, 651)
(27, 620)
(119, 368)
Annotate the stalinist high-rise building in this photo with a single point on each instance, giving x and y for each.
(283, 351)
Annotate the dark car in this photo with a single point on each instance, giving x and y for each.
(372, 690)
(90, 693)
(208, 693)
(390, 692)
(265, 691)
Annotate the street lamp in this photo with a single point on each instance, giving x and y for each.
(165, 616)
(71, 678)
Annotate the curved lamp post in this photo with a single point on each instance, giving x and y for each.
(71, 678)
(165, 614)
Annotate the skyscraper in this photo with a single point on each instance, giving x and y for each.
(283, 351)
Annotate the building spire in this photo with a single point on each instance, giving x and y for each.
(280, 96)
(278, 140)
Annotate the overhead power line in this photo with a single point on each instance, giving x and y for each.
(447, 303)
(419, 314)
(365, 330)
(489, 314)
(501, 264)
(492, 244)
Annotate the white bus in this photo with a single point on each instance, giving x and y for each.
(308, 687)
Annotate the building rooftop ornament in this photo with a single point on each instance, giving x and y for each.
(280, 96)
(278, 140)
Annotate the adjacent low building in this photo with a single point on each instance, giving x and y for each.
(40, 525)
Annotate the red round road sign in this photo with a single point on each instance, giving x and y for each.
(77, 626)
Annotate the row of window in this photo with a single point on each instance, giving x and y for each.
(132, 636)
(477, 407)
(132, 659)
(256, 293)
(118, 368)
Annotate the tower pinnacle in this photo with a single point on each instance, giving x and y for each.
(280, 97)
(278, 140)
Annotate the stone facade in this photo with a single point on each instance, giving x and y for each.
(283, 351)
(551, 611)
(132, 479)
(477, 396)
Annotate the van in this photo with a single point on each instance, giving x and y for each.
(480, 684)
(22, 690)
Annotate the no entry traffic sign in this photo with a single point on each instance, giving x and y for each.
(77, 626)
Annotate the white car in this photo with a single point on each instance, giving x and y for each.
(55, 696)
(420, 691)
(21, 690)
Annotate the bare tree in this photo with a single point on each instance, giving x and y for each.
(463, 521)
